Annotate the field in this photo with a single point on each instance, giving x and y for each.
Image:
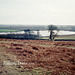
(64, 37)
(7, 30)
(37, 57)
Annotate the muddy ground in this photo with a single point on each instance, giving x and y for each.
(37, 57)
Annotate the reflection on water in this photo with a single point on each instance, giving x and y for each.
(42, 33)
(46, 33)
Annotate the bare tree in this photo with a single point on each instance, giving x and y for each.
(51, 29)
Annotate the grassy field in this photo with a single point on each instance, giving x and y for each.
(7, 30)
(66, 37)
(72, 37)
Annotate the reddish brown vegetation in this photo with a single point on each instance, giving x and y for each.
(67, 43)
(43, 53)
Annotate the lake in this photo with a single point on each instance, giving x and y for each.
(42, 33)
(46, 33)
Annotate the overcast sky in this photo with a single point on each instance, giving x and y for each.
(42, 12)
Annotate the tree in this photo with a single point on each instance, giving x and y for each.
(51, 29)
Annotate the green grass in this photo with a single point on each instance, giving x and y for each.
(37, 71)
(72, 37)
(66, 37)
(7, 30)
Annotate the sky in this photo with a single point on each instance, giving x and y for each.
(37, 12)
